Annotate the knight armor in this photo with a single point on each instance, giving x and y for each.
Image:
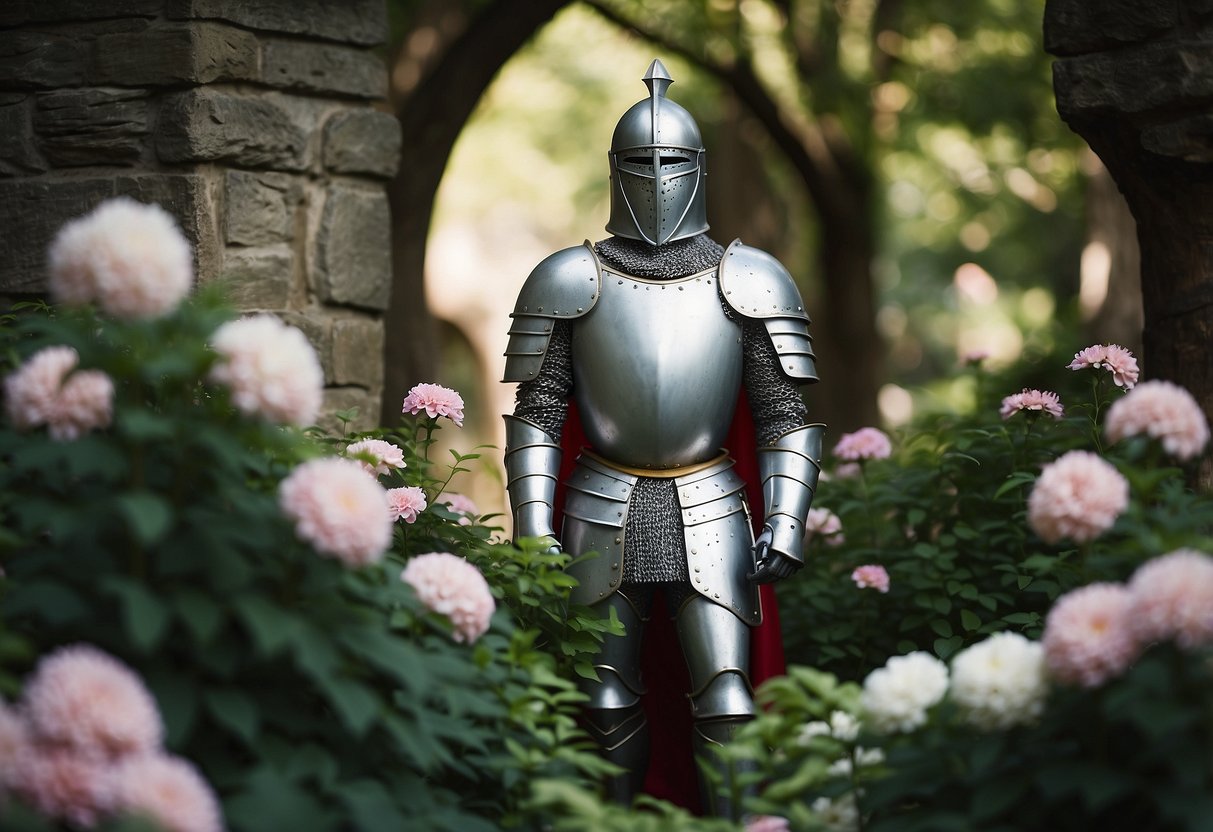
(654, 333)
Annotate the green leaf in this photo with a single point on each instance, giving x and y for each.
(942, 626)
(201, 616)
(969, 620)
(236, 711)
(945, 647)
(144, 616)
(148, 515)
(271, 627)
(49, 601)
(356, 704)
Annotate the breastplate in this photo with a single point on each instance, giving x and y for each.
(656, 370)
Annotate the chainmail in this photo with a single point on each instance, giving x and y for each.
(655, 544)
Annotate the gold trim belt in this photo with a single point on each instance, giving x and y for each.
(662, 473)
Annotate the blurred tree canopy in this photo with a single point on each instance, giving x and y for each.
(903, 157)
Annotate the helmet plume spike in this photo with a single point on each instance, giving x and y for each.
(657, 79)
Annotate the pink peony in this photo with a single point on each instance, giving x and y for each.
(1031, 400)
(168, 791)
(1088, 638)
(128, 257)
(460, 504)
(451, 586)
(865, 443)
(824, 523)
(338, 508)
(65, 784)
(435, 400)
(31, 391)
(376, 456)
(1163, 411)
(766, 823)
(871, 576)
(270, 368)
(1114, 358)
(85, 403)
(405, 503)
(86, 700)
(1173, 598)
(1079, 496)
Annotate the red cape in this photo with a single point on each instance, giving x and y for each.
(672, 774)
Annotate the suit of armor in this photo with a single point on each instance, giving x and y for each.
(654, 332)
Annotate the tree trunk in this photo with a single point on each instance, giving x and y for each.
(432, 115)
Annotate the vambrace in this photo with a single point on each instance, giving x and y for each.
(789, 470)
(532, 466)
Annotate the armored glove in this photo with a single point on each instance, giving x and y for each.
(532, 465)
(789, 469)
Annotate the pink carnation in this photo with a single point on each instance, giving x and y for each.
(865, 443)
(767, 823)
(1088, 638)
(1173, 598)
(168, 791)
(460, 504)
(84, 699)
(871, 576)
(405, 503)
(65, 784)
(1079, 497)
(85, 403)
(451, 586)
(824, 523)
(1032, 400)
(270, 368)
(1114, 358)
(338, 508)
(128, 257)
(31, 391)
(435, 400)
(1163, 411)
(376, 456)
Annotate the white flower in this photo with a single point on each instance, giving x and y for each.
(896, 697)
(1000, 682)
(838, 815)
(271, 369)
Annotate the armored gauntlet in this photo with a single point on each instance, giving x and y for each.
(789, 470)
(532, 465)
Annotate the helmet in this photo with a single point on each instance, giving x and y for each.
(657, 169)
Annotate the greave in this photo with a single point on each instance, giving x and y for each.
(622, 735)
(724, 784)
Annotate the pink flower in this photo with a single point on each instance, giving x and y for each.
(270, 368)
(65, 784)
(31, 391)
(1163, 411)
(84, 699)
(1114, 358)
(1032, 400)
(376, 456)
(1079, 497)
(85, 403)
(338, 508)
(766, 823)
(435, 400)
(451, 586)
(168, 791)
(14, 744)
(405, 503)
(1088, 638)
(974, 357)
(871, 576)
(826, 524)
(865, 443)
(460, 504)
(1173, 598)
(128, 257)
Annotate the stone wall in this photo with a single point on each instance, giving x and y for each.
(253, 122)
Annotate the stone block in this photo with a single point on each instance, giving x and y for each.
(1190, 139)
(1168, 75)
(258, 278)
(362, 22)
(31, 213)
(14, 12)
(344, 399)
(43, 60)
(18, 155)
(196, 53)
(259, 208)
(1076, 27)
(319, 331)
(362, 141)
(353, 263)
(92, 126)
(358, 352)
(207, 125)
(323, 68)
(188, 197)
